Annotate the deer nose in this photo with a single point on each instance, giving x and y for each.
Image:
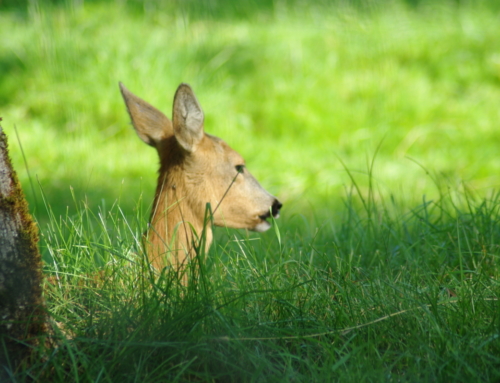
(275, 209)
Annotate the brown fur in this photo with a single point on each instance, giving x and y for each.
(195, 169)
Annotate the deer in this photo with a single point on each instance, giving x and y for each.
(198, 173)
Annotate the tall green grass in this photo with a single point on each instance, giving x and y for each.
(381, 293)
(375, 123)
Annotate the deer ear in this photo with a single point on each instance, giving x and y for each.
(187, 118)
(151, 125)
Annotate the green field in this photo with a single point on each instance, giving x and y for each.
(376, 123)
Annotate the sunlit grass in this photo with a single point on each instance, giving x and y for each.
(293, 90)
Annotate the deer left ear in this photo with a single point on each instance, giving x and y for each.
(187, 118)
(151, 125)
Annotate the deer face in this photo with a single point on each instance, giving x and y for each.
(237, 199)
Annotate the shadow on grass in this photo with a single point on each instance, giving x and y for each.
(50, 201)
(277, 307)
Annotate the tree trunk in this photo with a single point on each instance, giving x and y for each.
(22, 317)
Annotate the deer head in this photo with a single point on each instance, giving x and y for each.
(196, 168)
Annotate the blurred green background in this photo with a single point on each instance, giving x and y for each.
(302, 89)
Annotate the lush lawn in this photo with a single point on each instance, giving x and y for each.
(376, 124)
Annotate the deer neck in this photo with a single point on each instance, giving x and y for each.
(177, 221)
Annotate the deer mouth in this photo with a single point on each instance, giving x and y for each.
(263, 225)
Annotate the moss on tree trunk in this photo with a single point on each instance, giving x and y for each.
(22, 317)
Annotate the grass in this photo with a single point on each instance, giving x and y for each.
(377, 126)
(380, 294)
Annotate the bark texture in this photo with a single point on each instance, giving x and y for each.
(22, 317)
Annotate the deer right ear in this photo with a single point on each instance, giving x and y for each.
(151, 125)
(187, 118)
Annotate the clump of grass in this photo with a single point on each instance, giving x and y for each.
(381, 292)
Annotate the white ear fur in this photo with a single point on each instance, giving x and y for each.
(187, 118)
(151, 125)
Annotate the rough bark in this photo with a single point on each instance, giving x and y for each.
(22, 317)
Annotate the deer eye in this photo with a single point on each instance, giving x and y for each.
(239, 168)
